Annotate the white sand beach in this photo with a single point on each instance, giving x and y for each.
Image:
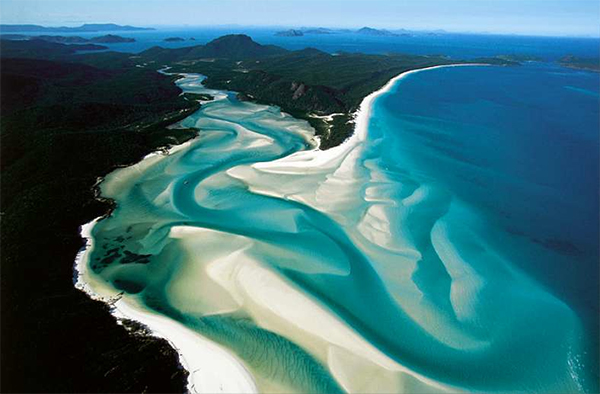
(321, 179)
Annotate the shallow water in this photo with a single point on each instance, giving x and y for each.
(455, 247)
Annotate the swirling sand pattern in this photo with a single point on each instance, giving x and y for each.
(326, 272)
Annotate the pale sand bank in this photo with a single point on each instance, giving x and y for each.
(316, 158)
(277, 305)
(272, 301)
(212, 369)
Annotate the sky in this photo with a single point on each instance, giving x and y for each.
(536, 17)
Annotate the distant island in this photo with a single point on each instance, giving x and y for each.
(86, 28)
(318, 30)
(174, 39)
(588, 64)
(111, 39)
(290, 33)
(368, 31)
(106, 39)
(14, 37)
(60, 39)
(306, 30)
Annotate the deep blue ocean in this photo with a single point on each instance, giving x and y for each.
(519, 145)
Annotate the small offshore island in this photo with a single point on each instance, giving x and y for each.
(587, 64)
(249, 155)
(290, 33)
(174, 39)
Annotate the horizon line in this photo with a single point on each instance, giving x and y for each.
(299, 27)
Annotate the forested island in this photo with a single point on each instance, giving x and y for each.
(368, 31)
(290, 33)
(579, 63)
(308, 84)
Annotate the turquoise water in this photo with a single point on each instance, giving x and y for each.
(519, 147)
(454, 248)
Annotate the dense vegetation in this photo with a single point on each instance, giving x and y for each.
(63, 125)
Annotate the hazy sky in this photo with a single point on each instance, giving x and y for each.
(554, 17)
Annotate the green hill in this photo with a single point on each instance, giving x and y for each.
(236, 46)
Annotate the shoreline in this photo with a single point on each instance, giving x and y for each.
(209, 365)
(314, 159)
(364, 114)
(197, 355)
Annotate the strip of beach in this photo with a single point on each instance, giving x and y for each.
(211, 368)
(316, 159)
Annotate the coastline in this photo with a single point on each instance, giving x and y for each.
(210, 368)
(42, 229)
(317, 157)
(340, 157)
(208, 364)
